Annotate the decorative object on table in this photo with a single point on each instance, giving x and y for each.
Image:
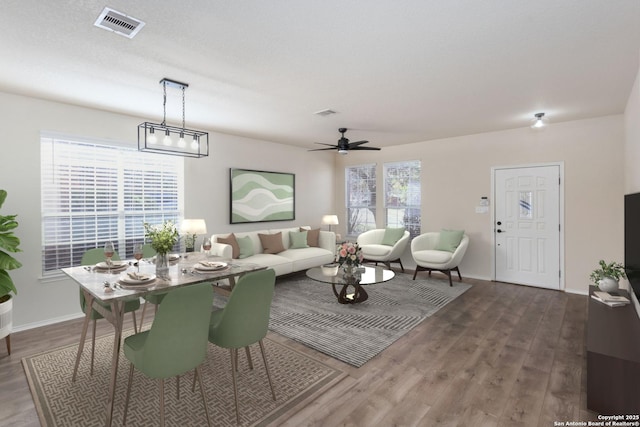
(330, 269)
(190, 228)
(607, 277)
(195, 145)
(8, 243)
(349, 256)
(259, 196)
(162, 237)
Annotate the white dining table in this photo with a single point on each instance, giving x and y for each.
(182, 272)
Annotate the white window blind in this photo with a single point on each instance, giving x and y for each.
(402, 195)
(361, 198)
(94, 192)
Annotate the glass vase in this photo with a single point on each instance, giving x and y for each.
(162, 265)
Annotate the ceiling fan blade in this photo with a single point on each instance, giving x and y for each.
(322, 149)
(329, 145)
(353, 144)
(366, 148)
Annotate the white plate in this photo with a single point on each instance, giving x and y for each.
(115, 265)
(129, 281)
(211, 266)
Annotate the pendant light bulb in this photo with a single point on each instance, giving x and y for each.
(195, 144)
(152, 136)
(167, 138)
(181, 141)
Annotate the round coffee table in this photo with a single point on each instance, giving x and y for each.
(370, 276)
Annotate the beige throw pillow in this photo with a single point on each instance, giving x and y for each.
(231, 240)
(313, 236)
(271, 243)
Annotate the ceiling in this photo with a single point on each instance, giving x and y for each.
(395, 72)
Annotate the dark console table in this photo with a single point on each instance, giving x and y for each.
(613, 358)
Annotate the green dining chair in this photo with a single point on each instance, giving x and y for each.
(92, 257)
(149, 252)
(244, 321)
(176, 343)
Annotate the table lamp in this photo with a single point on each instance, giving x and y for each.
(330, 220)
(191, 228)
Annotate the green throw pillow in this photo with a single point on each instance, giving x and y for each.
(298, 239)
(449, 240)
(392, 235)
(246, 246)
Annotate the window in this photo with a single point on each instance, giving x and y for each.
(93, 193)
(361, 198)
(402, 195)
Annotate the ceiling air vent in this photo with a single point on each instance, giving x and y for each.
(326, 112)
(118, 23)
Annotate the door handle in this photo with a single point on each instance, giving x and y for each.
(500, 231)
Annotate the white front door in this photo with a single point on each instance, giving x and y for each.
(527, 225)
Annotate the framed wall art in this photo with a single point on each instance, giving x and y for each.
(261, 196)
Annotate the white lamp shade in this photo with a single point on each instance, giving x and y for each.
(330, 220)
(193, 226)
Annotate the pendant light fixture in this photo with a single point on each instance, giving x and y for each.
(538, 121)
(178, 141)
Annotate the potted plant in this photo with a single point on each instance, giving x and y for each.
(8, 243)
(163, 237)
(608, 275)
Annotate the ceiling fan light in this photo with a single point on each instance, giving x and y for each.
(343, 151)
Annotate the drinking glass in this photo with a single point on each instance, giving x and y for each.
(206, 245)
(137, 254)
(108, 253)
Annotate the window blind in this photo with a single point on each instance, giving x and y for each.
(94, 192)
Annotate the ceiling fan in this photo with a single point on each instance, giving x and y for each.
(344, 145)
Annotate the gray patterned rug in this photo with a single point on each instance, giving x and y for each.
(308, 312)
(297, 379)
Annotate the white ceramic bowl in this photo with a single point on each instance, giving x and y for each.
(330, 269)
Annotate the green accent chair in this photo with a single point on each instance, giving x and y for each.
(175, 344)
(92, 257)
(244, 321)
(149, 252)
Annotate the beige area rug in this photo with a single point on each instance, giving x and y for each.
(298, 379)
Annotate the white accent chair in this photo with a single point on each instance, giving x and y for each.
(370, 243)
(429, 259)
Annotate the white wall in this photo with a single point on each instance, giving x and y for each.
(207, 194)
(456, 172)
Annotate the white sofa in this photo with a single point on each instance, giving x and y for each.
(287, 261)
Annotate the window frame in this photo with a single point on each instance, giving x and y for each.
(371, 206)
(412, 198)
(137, 175)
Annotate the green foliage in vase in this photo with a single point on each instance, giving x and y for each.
(8, 243)
(162, 237)
(614, 270)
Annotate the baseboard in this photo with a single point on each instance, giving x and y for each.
(46, 322)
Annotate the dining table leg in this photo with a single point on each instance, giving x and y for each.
(88, 302)
(117, 309)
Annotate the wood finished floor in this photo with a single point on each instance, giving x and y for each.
(499, 355)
